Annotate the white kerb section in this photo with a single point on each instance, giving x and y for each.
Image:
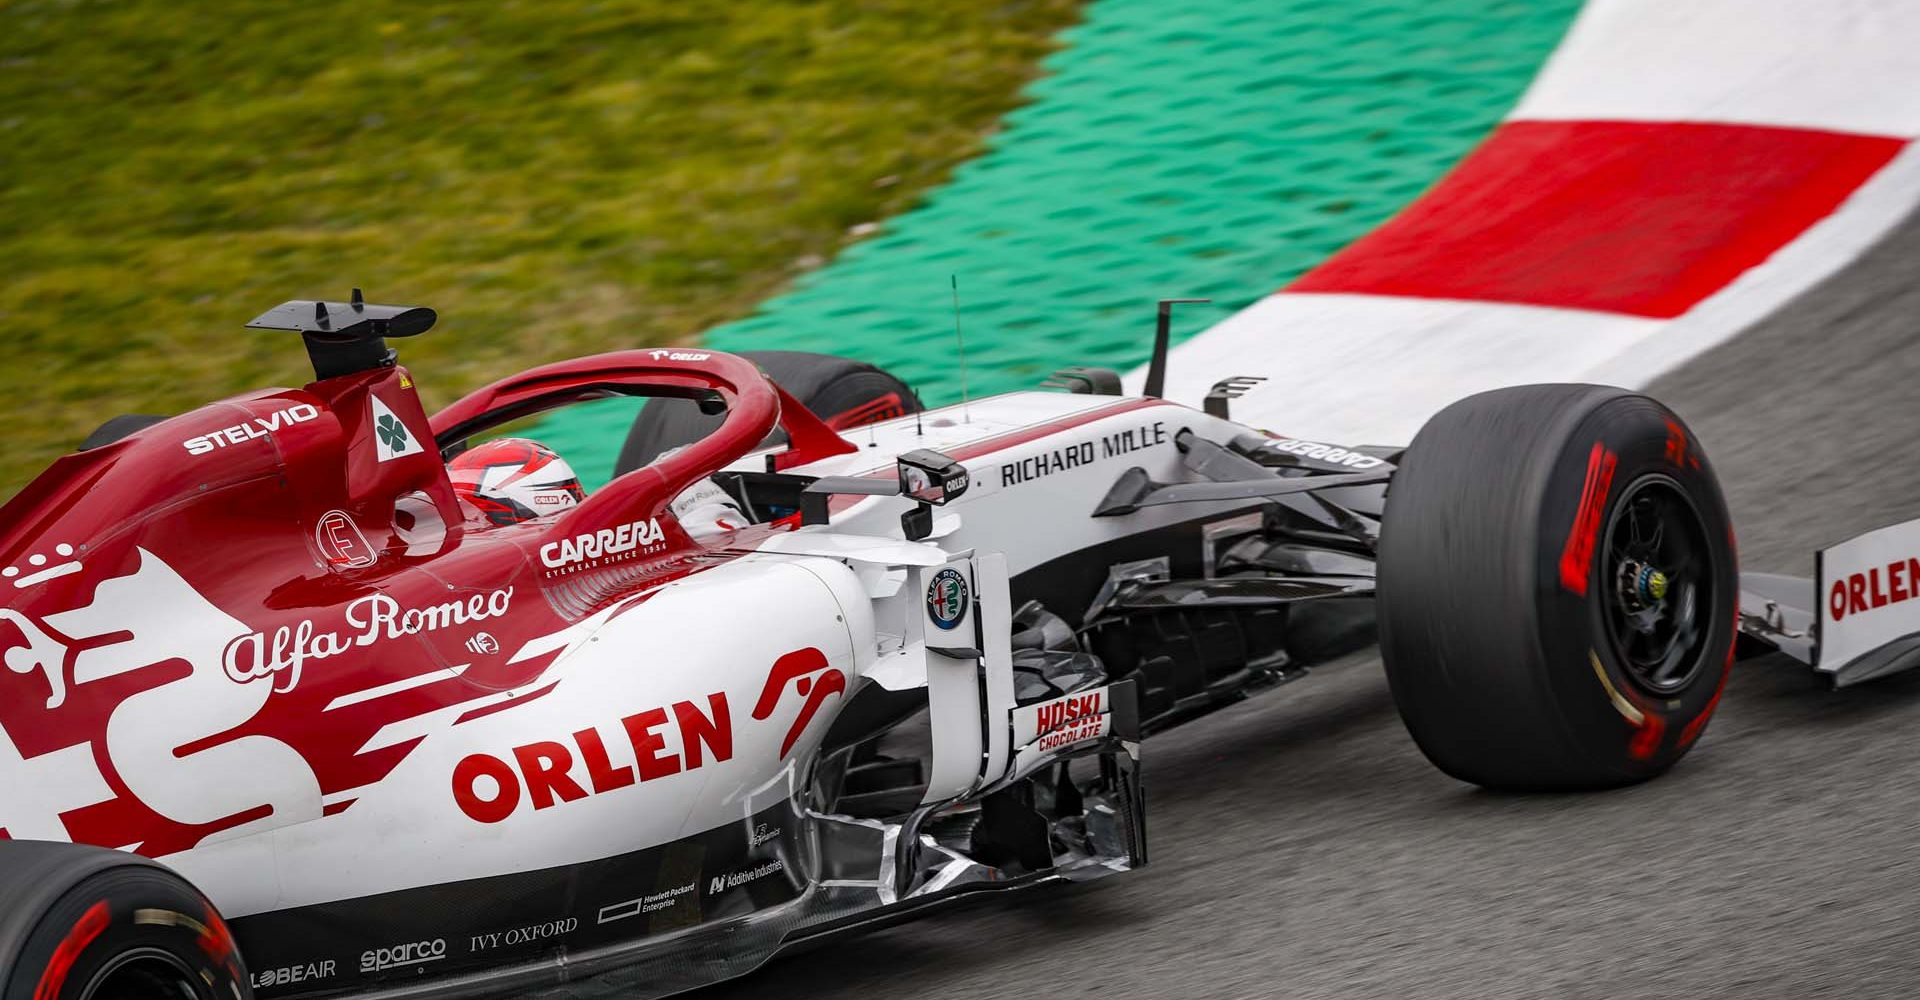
(1838, 65)
(1368, 369)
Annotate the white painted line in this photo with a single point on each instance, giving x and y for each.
(403, 684)
(50, 573)
(344, 795)
(399, 731)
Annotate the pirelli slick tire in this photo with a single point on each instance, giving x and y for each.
(843, 392)
(85, 923)
(1557, 588)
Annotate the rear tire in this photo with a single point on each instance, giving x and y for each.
(1557, 588)
(843, 392)
(86, 923)
(124, 425)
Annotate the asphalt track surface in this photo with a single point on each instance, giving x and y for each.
(1304, 848)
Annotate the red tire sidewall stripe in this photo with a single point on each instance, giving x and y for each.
(1576, 557)
(90, 925)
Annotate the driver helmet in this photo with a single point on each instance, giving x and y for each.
(511, 480)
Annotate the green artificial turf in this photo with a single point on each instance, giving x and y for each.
(556, 177)
(1173, 148)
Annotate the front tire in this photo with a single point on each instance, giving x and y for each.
(1557, 588)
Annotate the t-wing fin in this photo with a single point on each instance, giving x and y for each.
(346, 337)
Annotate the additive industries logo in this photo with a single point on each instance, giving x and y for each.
(391, 438)
(734, 880)
(947, 598)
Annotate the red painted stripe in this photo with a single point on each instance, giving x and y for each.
(1645, 218)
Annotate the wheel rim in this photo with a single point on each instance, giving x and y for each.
(143, 974)
(1658, 585)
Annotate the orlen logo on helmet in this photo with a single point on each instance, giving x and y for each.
(584, 549)
(665, 355)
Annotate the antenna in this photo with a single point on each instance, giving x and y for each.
(965, 417)
(918, 431)
(1162, 333)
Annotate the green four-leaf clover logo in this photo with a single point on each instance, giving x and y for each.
(392, 432)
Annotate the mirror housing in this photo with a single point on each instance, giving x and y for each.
(930, 477)
(926, 477)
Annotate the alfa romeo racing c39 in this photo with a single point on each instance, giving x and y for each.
(285, 715)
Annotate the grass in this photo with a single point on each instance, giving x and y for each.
(556, 177)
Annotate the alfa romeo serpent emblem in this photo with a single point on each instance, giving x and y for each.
(947, 598)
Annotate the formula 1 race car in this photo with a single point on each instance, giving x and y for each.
(284, 715)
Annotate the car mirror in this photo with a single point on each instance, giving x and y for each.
(930, 477)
